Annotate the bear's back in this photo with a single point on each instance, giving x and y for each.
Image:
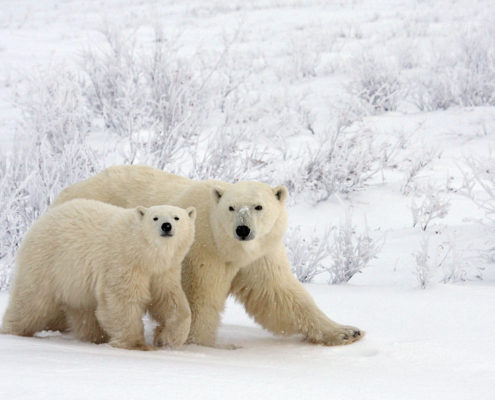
(79, 226)
(70, 245)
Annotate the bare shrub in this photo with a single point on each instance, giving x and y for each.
(51, 153)
(228, 156)
(425, 266)
(433, 90)
(152, 99)
(462, 263)
(341, 162)
(342, 254)
(417, 164)
(476, 67)
(479, 186)
(116, 90)
(430, 202)
(465, 78)
(441, 252)
(443, 257)
(351, 251)
(32, 176)
(479, 183)
(304, 58)
(307, 253)
(376, 83)
(53, 107)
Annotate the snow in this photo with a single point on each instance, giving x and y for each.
(293, 55)
(435, 344)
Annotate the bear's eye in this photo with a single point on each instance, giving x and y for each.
(231, 208)
(155, 219)
(258, 208)
(176, 218)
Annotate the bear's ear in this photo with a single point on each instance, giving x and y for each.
(141, 211)
(191, 211)
(280, 192)
(217, 193)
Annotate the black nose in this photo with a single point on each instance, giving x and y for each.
(166, 227)
(242, 231)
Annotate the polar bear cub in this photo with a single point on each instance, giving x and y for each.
(103, 267)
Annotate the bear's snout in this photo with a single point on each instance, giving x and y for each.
(243, 232)
(166, 229)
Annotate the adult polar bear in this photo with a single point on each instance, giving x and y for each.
(238, 250)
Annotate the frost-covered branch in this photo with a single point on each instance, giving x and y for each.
(429, 203)
(340, 162)
(375, 83)
(151, 99)
(479, 183)
(351, 251)
(307, 253)
(342, 254)
(51, 153)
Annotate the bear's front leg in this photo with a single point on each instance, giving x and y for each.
(205, 320)
(170, 308)
(279, 302)
(122, 320)
(206, 287)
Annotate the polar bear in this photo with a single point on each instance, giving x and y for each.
(238, 250)
(103, 267)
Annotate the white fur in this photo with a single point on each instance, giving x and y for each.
(101, 267)
(256, 270)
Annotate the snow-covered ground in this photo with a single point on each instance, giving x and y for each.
(410, 84)
(435, 344)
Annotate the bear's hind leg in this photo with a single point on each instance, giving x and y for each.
(59, 323)
(84, 326)
(24, 317)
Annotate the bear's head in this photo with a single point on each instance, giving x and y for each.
(167, 226)
(250, 211)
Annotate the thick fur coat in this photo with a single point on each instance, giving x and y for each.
(238, 250)
(95, 269)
